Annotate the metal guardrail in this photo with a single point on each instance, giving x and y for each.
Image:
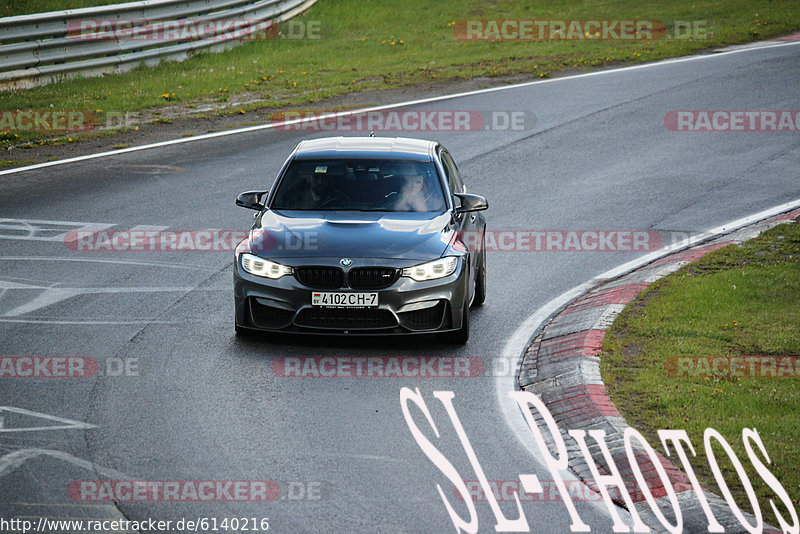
(41, 48)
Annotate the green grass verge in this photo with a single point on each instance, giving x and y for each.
(10, 8)
(387, 44)
(737, 301)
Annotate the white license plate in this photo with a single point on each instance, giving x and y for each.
(344, 300)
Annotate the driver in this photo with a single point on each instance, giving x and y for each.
(314, 191)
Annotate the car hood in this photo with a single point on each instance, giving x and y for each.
(302, 234)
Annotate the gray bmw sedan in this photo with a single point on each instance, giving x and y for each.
(362, 235)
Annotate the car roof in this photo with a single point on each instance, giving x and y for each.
(366, 147)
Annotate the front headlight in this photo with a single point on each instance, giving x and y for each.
(432, 269)
(261, 267)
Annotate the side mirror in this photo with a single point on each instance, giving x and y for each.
(251, 200)
(470, 203)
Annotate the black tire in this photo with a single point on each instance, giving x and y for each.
(460, 336)
(480, 281)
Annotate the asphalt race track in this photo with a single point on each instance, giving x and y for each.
(180, 398)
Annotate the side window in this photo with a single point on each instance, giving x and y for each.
(453, 176)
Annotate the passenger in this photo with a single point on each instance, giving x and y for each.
(415, 195)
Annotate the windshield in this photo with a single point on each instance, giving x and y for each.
(360, 185)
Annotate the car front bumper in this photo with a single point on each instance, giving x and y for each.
(405, 307)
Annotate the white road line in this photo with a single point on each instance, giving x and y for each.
(32, 229)
(13, 460)
(54, 295)
(388, 106)
(104, 290)
(78, 224)
(62, 259)
(63, 505)
(93, 322)
(513, 351)
(66, 424)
